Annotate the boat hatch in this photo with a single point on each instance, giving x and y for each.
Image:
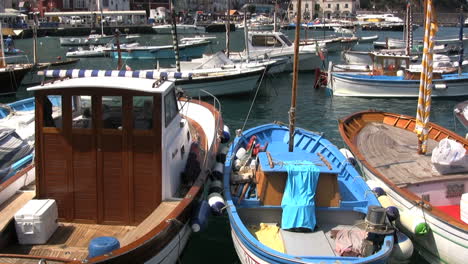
(272, 181)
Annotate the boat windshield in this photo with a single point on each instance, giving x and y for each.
(286, 40)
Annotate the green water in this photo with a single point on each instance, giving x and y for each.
(315, 111)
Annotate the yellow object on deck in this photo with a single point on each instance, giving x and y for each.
(269, 235)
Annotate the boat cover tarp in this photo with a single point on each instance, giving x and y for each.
(269, 235)
(298, 200)
(12, 149)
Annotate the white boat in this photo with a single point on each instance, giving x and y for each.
(92, 51)
(368, 39)
(198, 38)
(431, 206)
(379, 18)
(181, 29)
(329, 44)
(96, 39)
(220, 60)
(276, 45)
(187, 50)
(461, 112)
(119, 214)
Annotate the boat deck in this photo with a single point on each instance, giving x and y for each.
(393, 151)
(71, 240)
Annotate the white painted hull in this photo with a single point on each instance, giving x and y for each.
(444, 244)
(368, 88)
(357, 58)
(245, 255)
(170, 254)
(220, 86)
(181, 29)
(21, 182)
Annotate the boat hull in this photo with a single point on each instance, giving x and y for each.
(181, 29)
(11, 79)
(366, 86)
(185, 53)
(222, 85)
(81, 41)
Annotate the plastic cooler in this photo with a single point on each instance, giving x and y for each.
(36, 221)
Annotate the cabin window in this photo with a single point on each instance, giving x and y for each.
(82, 111)
(52, 111)
(170, 107)
(265, 41)
(143, 112)
(112, 112)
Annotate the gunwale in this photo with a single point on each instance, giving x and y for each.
(154, 240)
(350, 126)
(459, 114)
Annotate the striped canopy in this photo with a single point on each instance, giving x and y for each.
(425, 86)
(144, 74)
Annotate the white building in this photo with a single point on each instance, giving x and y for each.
(337, 8)
(307, 9)
(109, 5)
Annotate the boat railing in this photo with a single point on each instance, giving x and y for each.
(216, 104)
(20, 59)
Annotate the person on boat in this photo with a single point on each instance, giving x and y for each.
(9, 43)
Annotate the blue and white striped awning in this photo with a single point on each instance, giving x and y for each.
(144, 74)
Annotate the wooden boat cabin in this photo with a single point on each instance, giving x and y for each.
(115, 161)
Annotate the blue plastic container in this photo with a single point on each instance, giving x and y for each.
(102, 245)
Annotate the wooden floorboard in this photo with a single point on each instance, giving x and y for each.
(393, 151)
(70, 240)
(9, 208)
(154, 219)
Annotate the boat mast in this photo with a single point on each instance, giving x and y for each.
(460, 38)
(275, 27)
(175, 42)
(292, 110)
(34, 30)
(228, 26)
(102, 17)
(246, 33)
(2, 52)
(119, 53)
(408, 29)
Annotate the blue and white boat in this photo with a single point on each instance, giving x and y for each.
(187, 50)
(297, 207)
(405, 85)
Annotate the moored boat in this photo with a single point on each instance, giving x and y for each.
(461, 112)
(288, 207)
(136, 162)
(384, 145)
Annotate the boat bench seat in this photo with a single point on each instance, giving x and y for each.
(307, 244)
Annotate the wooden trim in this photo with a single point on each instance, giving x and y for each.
(127, 124)
(66, 126)
(97, 114)
(51, 130)
(350, 140)
(38, 144)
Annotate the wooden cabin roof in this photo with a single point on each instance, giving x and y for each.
(126, 83)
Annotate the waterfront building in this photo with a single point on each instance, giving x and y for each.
(337, 8)
(307, 8)
(148, 4)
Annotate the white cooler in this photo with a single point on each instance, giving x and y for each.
(36, 221)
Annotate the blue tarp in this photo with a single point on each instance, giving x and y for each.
(299, 195)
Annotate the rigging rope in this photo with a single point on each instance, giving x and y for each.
(253, 101)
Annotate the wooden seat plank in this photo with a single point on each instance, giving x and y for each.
(9, 208)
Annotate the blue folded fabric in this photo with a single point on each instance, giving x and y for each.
(299, 195)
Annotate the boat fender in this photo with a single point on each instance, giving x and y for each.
(215, 186)
(378, 191)
(102, 245)
(217, 173)
(349, 156)
(240, 153)
(402, 249)
(221, 156)
(200, 217)
(226, 135)
(258, 148)
(413, 222)
(216, 202)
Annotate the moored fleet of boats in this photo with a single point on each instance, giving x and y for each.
(121, 166)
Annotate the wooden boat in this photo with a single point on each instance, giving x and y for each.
(384, 145)
(255, 194)
(126, 159)
(461, 112)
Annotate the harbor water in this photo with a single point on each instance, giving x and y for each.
(315, 111)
